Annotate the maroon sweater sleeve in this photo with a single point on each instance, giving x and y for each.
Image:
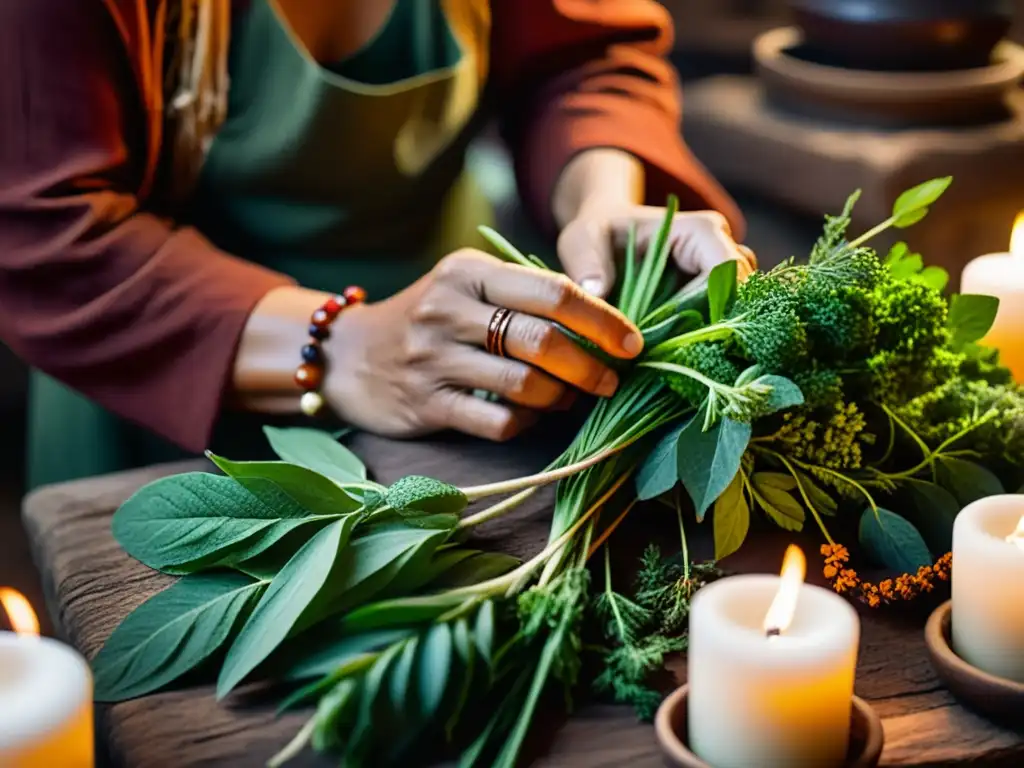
(142, 317)
(572, 75)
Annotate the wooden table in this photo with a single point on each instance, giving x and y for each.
(91, 585)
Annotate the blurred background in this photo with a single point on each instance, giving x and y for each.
(785, 172)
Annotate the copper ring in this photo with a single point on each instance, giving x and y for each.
(496, 330)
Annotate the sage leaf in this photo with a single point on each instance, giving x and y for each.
(932, 510)
(785, 394)
(172, 633)
(318, 451)
(660, 471)
(309, 489)
(721, 289)
(425, 495)
(912, 205)
(708, 461)
(401, 611)
(483, 630)
(893, 541)
(284, 603)
(196, 520)
(477, 568)
(731, 519)
(971, 316)
(821, 500)
(966, 480)
(330, 650)
(433, 665)
(771, 491)
(402, 675)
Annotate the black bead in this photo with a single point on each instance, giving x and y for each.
(319, 333)
(312, 353)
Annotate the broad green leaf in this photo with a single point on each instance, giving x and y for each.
(778, 502)
(892, 541)
(329, 650)
(674, 325)
(708, 461)
(970, 317)
(483, 630)
(400, 611)
(434, 664)
(907, 267)
(477, 568)
(966, 480)
(432, 522)
(935, 278)
(660, 471)
(197, 520)
(413, 566)
(731, 519)
(920, 197)
(785, 394)
(172, 633)
(910, 218)
(425, 495)
(721, 289)
(822, 501)
(318, 451)
(933, 510)
(281, 609)
(307, 488)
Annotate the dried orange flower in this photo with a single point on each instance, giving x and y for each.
(905, 587)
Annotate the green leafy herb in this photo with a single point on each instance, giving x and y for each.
(893, 541)
(731, 519)
(971, 316)
(317, 451)
(708, 460)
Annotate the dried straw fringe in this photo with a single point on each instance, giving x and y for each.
(198, 102)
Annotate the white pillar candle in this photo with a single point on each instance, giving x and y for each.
(770, 669)
(988, 585)
(45, 699)
(1002, 275)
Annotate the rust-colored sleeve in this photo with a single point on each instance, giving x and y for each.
(572, 75)
(141, 317)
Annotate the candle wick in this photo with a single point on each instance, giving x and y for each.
(772, 632)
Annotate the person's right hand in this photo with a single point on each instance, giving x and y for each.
(407, 366)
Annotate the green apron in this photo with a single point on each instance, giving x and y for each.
(348, 174)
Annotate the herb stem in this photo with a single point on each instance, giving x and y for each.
(685, 549)
(873, 232)
(295, 746)
(496, 510)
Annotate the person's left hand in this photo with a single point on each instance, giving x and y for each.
(590, 245)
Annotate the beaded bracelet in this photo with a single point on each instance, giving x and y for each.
(310, 374)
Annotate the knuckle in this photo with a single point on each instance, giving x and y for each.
(416, 349)
(714, 220)
(558, 292)
(537, 338)
(431, 308)
(455, 264)
(516, 379)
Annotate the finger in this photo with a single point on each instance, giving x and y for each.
(749, 264)
(512, 379)
(474, 416)
(539, 343)
(556, 297)
(586, 251)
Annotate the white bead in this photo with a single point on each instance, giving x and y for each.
(311, 403)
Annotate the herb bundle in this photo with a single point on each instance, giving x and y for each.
(800, 392)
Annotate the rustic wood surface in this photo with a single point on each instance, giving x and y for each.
(91, 585)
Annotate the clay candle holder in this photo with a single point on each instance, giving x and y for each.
(994, 697)
(866, 734)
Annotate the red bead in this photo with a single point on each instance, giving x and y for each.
(309, 376)
(354, 294)
(334, 305)
(321, 319)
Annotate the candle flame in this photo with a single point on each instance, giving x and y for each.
(1017, 237)
(1017, 537)
(783, 607)
(19, 611)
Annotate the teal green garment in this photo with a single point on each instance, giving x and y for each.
(310, 176)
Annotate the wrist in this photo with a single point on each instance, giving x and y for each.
(596, 180)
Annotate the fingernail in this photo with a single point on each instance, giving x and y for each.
(609, 383)
(633, 343)
(593, 285)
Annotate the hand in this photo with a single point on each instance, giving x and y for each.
(407, 366)
(699, 241)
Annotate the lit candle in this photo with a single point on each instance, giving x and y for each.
(770, 669)
(988, 582)
(45, 696)
(1002, 275)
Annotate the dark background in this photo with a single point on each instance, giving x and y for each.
(713, 37)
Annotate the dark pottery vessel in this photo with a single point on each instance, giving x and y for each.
(903, 35)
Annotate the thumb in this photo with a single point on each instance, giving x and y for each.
(586, 252)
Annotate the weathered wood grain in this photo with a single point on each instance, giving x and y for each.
(92, 585)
